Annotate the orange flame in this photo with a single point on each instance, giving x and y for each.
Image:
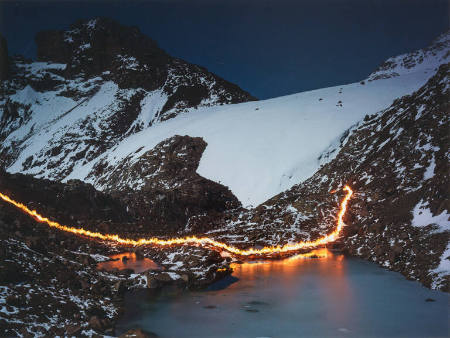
(194, 240)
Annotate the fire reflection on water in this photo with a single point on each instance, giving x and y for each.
(285, 266)
(128, 260)
(300, 296)
(296, 281)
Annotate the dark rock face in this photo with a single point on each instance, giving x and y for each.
(14, 114)
(71, 203)
(93, 47)
(403, 176)
(161, 186)
(191, 96)
(132, 60)
(10, 273)
(157, 192)
(4, 59)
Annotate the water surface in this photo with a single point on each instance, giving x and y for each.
(128, 260)
(332, 296)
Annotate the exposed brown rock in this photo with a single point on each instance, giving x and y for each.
(95, 323)
(164, 190)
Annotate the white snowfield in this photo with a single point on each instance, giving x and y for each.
(257, 149)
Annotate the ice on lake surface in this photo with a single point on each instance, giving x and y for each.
(332, 296)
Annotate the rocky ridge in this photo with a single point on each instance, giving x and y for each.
(437, 52)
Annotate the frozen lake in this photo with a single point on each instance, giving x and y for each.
(332, 296)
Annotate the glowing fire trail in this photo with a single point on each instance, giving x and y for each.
(193, 240)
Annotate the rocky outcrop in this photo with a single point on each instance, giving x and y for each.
(400, 167)
(156, 192)
(50, 286)
(161, 187)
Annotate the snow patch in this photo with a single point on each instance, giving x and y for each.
(442, 269)
(422, 216)
(429, 172)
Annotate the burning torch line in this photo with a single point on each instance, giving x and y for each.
(194, 240)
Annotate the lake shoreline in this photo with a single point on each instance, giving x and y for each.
(143, 301)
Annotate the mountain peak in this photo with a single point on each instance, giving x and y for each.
(96, 45)
(110, 80)
(103, 47)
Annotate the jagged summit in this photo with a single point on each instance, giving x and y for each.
(104, 47)
(100, 50)
(98, 43)
(92, 47)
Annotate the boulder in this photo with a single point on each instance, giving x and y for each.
(185, 277)
(119, 287)
(95, 323)
(163, 277)
(72, 330)
(11, 272)
(152, 282)
(139, 254)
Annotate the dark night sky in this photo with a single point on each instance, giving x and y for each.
(269, 48)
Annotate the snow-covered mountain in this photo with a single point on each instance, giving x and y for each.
(397, 163)
(106, 106)
(175, 149)
(80, 114)
(93, 86)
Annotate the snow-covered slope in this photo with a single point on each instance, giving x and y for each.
(257, 149)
